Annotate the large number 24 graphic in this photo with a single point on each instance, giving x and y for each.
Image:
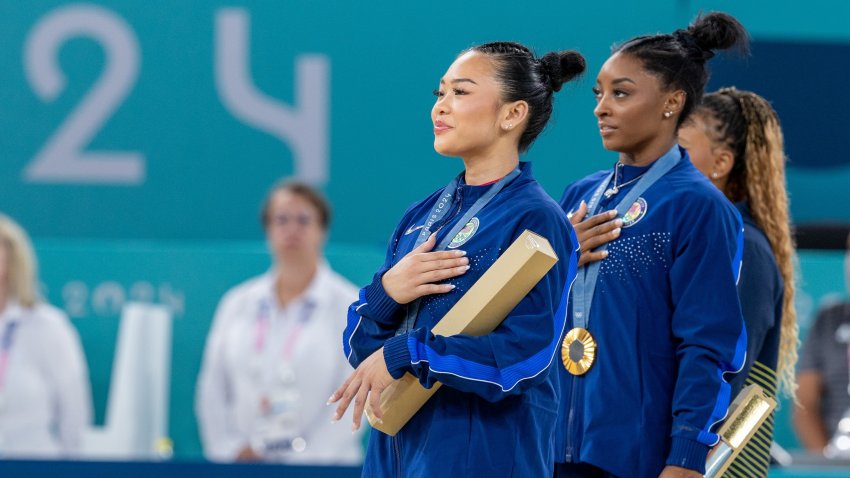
(64, 159)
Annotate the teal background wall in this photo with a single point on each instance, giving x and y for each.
(201, 170)
(177, 223)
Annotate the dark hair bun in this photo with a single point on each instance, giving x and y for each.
(561, 67)
(524, 77)
(719, 31)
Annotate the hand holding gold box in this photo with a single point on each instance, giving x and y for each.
(746, 414)
(481, 309)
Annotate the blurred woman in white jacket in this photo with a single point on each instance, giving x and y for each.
(45, 401)
(272, 357)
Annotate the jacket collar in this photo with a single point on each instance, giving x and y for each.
(312, 296)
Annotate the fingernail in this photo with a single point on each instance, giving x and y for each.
(616, 231)
(461, 253)
(452, 286)
(604, 254)
(334, 421)
(582, 203)
(467, 267)
(619, 222)
(612, 212)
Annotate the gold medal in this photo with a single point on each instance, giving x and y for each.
(578, 351)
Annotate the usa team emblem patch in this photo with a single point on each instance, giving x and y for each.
(635, 213)
(464, 234)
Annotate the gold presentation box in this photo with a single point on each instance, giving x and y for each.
(746, 414)
(481, 309)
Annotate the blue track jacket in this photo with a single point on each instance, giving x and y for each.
(495, 414)
(668, 324)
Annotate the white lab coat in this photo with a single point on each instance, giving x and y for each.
(46, 401)
(230, 389)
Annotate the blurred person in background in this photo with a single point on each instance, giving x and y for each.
(272, 357)
(823, 378)
(734, 138)
(45, 401)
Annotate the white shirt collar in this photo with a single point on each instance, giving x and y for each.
(313, 295)
(13, 311)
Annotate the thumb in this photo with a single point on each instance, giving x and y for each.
(427, 245)
(580, 213)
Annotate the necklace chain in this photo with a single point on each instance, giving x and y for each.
(616, 187)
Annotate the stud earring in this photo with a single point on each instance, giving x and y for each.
(668, 114)
(507, 126)
(713, 175)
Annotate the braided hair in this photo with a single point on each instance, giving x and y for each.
(745, 123)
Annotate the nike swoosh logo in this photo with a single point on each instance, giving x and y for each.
(414, 228)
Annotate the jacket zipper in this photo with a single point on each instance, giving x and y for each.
(570, 422)
(397, 450)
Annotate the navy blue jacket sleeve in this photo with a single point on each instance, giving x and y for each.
(374, 316)
(515, 356)
(707, 325)
(760, 290)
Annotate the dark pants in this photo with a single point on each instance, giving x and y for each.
(580, 470)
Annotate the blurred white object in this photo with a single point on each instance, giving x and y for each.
(839, 446)
(780, 455)
(136, 425)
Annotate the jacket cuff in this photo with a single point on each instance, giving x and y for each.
(688, 454)
(381, 305)
(397, 356)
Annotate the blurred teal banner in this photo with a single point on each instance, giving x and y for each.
(169, 120)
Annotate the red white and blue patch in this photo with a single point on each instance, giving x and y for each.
(635, 213)
(464, 234)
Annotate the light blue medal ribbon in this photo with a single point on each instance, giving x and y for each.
(437, 213)
(441, 207)
(585, 284)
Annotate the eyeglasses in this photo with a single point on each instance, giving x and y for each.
(301, 220)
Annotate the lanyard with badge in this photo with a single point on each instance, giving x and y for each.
(438, 212)
(578, 350)
(5, 351)
(280, 401)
